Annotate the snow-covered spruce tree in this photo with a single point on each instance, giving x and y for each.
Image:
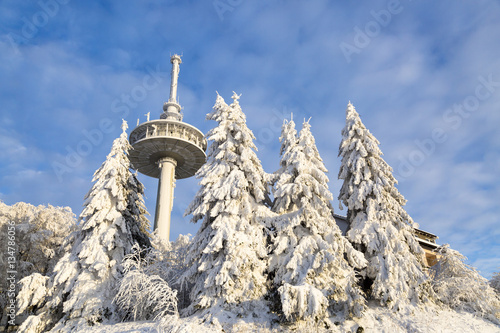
(461, 287)
(495, 282)
(81, 288)
(228, 253)
(378, 224)
(307, 267)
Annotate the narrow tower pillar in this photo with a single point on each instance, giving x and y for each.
(165, 197)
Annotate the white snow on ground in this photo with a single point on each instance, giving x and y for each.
(432, 319)
(376, 319)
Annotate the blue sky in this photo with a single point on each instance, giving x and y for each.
(425, 78)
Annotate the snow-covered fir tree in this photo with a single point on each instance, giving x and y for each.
(461, 287)
(228, 253)
(83, 284)
(378, 224)
(308, 271)
(495, 282)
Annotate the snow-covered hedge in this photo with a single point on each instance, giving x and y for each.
(461, 287)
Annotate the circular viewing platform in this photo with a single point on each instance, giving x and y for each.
(159, 138)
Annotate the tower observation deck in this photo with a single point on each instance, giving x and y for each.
(168, 149)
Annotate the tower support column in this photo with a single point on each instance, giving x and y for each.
(165, 198)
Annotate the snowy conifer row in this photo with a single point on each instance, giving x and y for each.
(266, 243)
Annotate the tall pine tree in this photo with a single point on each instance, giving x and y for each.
(228, 253)
(307, 265)
(81, 288)
(378, 224)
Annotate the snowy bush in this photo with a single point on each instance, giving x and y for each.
(150, 288)
(461, 287)
(378, 224)
(495, 282)
(307, 261)
(169, 261)
(143, 295)
(227, 255)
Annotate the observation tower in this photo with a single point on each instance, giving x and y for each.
(168, 149)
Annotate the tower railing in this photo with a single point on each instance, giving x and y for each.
(163, 128)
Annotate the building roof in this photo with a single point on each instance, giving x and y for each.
(424, 238)
(426, 234)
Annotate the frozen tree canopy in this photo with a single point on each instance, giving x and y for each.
(81, 288)
(461, 287)
(39, 233)
(227, 254)
(307, 266)
(379, 225)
